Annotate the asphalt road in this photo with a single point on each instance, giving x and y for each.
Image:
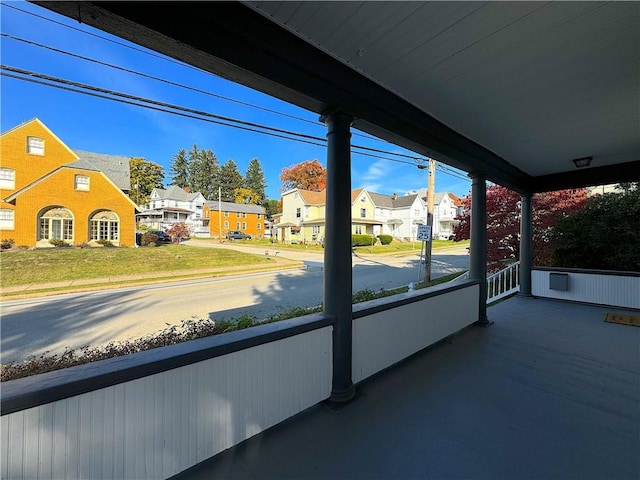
(37, 325)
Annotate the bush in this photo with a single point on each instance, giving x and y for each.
(56, 242)
(362, 240)
(385, 239)
(105, 243)
(149, 240)
(7, 243)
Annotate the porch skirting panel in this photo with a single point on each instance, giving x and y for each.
(389, 336)
(156, 426)
(619, 289)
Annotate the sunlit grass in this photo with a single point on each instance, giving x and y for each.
(25, 267)
(393, 247)
(404, 247)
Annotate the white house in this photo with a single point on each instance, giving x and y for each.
(399, 215)
(174, 205)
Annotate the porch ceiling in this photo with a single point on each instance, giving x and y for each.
(516, 90)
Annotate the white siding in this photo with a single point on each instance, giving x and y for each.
(386, 337)
(157, 426)
(621, 291)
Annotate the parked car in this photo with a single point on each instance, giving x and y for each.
(237, 235)
(163, 237)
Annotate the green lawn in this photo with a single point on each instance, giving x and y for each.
(22, 267)
(400, 247)
(393, 247)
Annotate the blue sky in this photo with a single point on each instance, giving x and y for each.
(103, 126)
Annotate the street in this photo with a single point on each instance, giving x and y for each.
(53, 323)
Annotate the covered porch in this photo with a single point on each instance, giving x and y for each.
(512, 93)
(549, 391)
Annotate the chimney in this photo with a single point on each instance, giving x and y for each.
(394, 196)
(187, 189)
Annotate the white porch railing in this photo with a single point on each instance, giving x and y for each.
(503, 283)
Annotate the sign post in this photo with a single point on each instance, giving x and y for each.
(424, 235)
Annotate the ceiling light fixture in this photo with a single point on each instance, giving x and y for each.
(582, 162)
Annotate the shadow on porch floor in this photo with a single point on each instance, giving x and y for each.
(549, 391)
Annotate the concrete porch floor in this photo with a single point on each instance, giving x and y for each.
(549, 391)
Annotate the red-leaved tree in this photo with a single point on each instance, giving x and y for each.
(308, 175)
(178, 231)
(503, 222)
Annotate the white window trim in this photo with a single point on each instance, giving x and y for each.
(8, 178)
(7, 219)
(80, 184)
(33, 149)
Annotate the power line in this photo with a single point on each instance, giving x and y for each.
(161, 57)
(185, 109)
(106, 39)
(97, 92)
(158, 79)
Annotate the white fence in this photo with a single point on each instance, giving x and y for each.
(621, 289)
(128, 424)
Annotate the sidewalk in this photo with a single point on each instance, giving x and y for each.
(68, 286)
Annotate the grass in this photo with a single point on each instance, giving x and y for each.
(24, 267)
(404, 247)
(393, 247)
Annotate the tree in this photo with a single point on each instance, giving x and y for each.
(271, 207)
(178, 231)
(145, 176)
(180, 169)
(308, 175)
(503, 222)
(228, 179)
(254, 179)
(203, 172)
(602, 235)
(246, 195)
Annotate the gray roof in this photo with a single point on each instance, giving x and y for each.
(176, 193)
(236, 207)
(387, 201)
(404, 201)
(116, 167)
(437, 198)
(380, 200)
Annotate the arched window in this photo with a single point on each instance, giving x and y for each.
(56, 224)
(105, 225)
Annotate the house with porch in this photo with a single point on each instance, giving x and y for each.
(399, 215)
(219, 218)
(303, 216)
(173, 205)
(52, 193)
(425, 384)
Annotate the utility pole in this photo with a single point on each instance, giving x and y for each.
(430, 206)
(220, 214)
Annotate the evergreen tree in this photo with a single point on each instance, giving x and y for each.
(228, 179)
(180, 169)
(254, 179)
(203, 171)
